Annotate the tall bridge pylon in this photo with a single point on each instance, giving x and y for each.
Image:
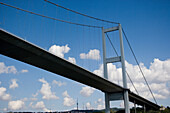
(115, 96)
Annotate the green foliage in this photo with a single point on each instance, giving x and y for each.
(99, 112)
(151, 111)
(167, 110)
(111, 111)
(140, 110)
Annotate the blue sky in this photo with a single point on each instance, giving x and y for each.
(145, 22)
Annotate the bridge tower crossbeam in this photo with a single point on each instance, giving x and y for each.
(120, 95)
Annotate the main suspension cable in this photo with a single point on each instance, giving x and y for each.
(49, 17)
(117, 56)
(139, 65)
(81, 13)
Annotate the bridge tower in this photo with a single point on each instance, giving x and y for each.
(121, 95)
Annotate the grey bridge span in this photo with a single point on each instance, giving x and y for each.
(19, 49)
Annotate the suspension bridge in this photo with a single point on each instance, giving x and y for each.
(17, 48)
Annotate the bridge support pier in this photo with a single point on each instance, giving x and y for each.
(107, 103)
(135, 106)
(144, 108)
(112, 60)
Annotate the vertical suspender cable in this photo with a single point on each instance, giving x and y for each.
(117, 56)
(139, 65)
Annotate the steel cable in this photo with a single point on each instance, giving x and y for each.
(49, 17)
(126, 71)
(139, 65)
(80, 13)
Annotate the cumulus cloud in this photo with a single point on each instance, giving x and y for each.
(88, 105)
(158, 71)
(13, 84)
(24, 71)
(59, 83)
(5, 109)
(34, 96)
(68, 101)
(16, 105)
(98, 101)
(72, 60)
(92, 54)
(40, 106)
(46, 90)
(7, 69)
(160, 91)
(114, 73)
(33, 99)
(65, 94)
(3, 94)
(59, 50)
(157, 75)
(100, 104)
(86, 91)
(24, 99)
(122, 104)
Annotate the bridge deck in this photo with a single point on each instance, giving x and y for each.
(19, 49)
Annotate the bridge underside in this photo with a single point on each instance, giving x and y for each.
(19, 49)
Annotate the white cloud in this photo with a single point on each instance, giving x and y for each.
(5, 109)
(68, 101)
(158, 71)
(92, 54)
(3, 94)
(33, 99)
(40, 106)
(59, 50)
(24, 71)
(13, 84)
(114, 74)
(46, 90)
(72, 60)
(16, 105)
(98, 101)
(100, 104)
(24, 99)
(0, 82)
(7, 69)
(30, 104)
(59, 83)
(65, 94)
(164, 92)
(160, 91)
(157, 75)
(86, 91)
(88, 106)
(36, 94)
(122, 104)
